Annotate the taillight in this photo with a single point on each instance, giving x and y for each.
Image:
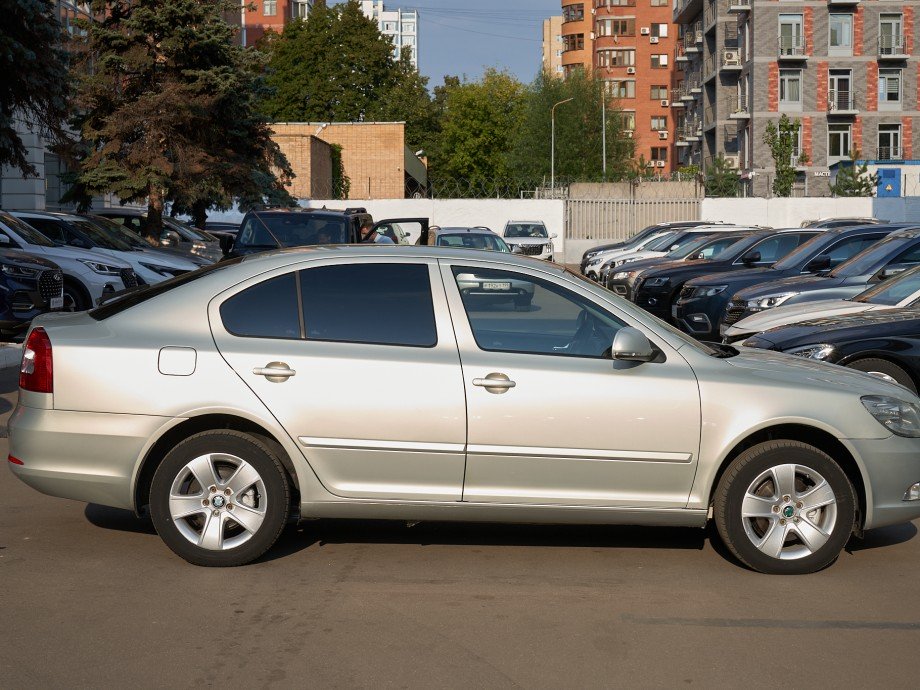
(37, 373)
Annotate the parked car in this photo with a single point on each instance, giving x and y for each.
(658, 290)
(74, 231)
(830, 223)
(466, 238)
(901, 291)
(29, 286)
(622, 280)
(662, 239)
(88, 275)
(531, 236)
(132, 239)
(176, 234)
(278, 228)
(828, 249)
(221, 403)
(885, 343)
(220, 228)
(886, 258)
(640, 237)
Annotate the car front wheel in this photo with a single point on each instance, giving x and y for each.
(220, 498)
(784, 507)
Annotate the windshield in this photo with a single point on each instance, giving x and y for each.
(659, 243)
(804, 252)
(517, 230)
(119, 232)
(892, 292)
(291, 230)
(868, 260)
(100, 237)
(188, 233)
(25, 231)
(474, 241)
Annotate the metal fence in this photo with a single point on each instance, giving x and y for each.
(618, 219)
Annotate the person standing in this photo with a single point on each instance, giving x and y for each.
(368, 234)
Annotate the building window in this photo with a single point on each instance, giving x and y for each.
(659, 30)
(660, 61)
(659, 93)
(840, 91)
(790, 89)
(615, 3)
(616, 58)
(660, 3)
(629, 120)
(270, 8)
(659, 122)
(891, 34)
(889, 143)
(790, 35)
(616, 27)
(839, 143)
(889, 89)
(659, 153)
(573, 42)
(841, 34)
(573, 13)
(409, 28)
(625, 88)
(408, 40)
(389, 27)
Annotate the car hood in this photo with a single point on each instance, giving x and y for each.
(840, 328)
(73, 253)
(777, 368)
(526, 240)
(795, 313)
(791, 284)
(740, 279)
(638, 256)
(19, 257)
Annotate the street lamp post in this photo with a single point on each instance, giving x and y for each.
(552, 156)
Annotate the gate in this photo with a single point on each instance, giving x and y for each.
(619, 219)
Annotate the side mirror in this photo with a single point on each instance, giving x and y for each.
(170, 238)
(516, 249)
(751, 258)
(631, 345)
(553, 236)
(226, 244)
(822, 262)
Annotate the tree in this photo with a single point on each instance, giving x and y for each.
(34, 85)
(168, 109)
(721, 179)
(782, 141)
(853, 179)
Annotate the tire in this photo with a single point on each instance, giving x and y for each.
(813, 538)
(260, 493)
(74, 297)
(886, 369)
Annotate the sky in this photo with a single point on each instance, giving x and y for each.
(463, 37)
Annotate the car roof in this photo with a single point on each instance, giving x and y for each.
(119, 210)
(459, 230)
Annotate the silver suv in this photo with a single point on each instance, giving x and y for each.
(228, 400)
(530, 238)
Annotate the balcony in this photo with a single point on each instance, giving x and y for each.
(709, 68)
(791, 48)
(840, 102)
(738, 108)
(710, 118)
(842, 3)
(892, 48)
(684, 91)
(795, 160)
(710, 14)
(889, 153)
(739, 5)
(686, 9)
(676, 96)
(680, 55)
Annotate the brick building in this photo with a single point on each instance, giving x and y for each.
(845, 69)
(255, 17)
(552, 46)
(631, 45)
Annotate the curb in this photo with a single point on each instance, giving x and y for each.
(10, 355)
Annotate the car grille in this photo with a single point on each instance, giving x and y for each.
(686, 292)
(734, 312)
(128, 277)
(531, 249)
(50, 285)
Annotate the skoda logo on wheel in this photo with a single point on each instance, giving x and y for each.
(788, 511)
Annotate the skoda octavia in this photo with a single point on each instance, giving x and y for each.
(365, 382)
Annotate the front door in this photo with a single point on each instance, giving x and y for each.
(551, 418)
(359, 364)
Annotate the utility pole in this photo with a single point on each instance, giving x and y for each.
(552, 155)
(604, 130)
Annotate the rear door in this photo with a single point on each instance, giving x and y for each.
(404, 230)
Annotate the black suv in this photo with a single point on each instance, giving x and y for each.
(277, 228)
(709, 295)
(29, 286)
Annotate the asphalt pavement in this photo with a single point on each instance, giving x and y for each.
(90, 597)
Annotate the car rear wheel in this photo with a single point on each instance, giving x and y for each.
(886, 370)
(784, 507)
(220, 498)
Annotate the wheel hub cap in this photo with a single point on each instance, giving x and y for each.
(788, 511)
(218, 501)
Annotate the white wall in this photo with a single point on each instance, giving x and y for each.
(784, 213)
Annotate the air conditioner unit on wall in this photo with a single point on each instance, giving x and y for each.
(733, 161)
(644, 31)
(653, 39)
(628, 133)
(593, 36)
(665, 104)
(662, 135)
(659, 164)
(731, 57)
(651, 164)
(630, 70)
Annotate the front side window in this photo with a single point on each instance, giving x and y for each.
(889, 142)
(889, 89)
(370, 303)
(772, 249)
(554, 320)
(848, 248)
(841, 34)
(265, 310)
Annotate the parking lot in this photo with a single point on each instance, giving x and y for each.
(91, 597)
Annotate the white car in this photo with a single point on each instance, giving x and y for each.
(530, 238)
(899, 292)
(88, 275)
(150, 266)
(661, 239)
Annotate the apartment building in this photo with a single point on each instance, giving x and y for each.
(631, 45)
(845, 69)
(255, 17)
(552, 46)
(400, 25)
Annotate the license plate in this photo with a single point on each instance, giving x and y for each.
(57, 302)
(722, 329)
(496, 286)
(674, 311)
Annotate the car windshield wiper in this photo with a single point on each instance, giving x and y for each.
(721, 350)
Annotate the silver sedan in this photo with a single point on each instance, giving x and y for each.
(368, 382)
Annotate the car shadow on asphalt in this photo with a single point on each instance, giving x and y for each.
(117, 519)
(882, 537)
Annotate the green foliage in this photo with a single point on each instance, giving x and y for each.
(853, 179)
(782, 141)
(690, 171)
(168, 110)
(34, 86)
(341, 184)
(721, 179)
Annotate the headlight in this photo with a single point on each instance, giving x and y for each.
(708, 290)
(622, 275)
(656, 282)
(18, 271)
(158, 269)
(770, 301)
(102, 269)
(899, 417)
(819, 351)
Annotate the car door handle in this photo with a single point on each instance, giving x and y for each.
(495, 383)
(276, 372)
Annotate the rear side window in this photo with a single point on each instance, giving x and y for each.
(266, 310)
(383, 304)
(850, 247)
